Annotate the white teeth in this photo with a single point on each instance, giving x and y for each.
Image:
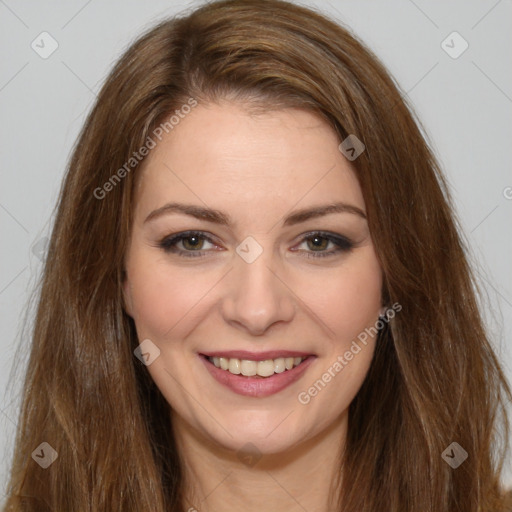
(250, 368)
(234, 366)
(279, 366)
(266, 368)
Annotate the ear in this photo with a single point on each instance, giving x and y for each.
(127, 295)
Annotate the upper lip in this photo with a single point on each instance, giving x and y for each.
(255, 356)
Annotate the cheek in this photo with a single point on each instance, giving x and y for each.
(163, 295)
(349, 305)
(347, 299)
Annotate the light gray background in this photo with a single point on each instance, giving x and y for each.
(464, 103)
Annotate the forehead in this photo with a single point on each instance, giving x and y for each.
(222, 150)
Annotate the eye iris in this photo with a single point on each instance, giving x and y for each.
(198, 241)
(319, 242)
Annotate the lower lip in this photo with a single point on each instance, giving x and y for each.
(257, 387)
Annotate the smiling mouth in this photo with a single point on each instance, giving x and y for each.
(256, 369)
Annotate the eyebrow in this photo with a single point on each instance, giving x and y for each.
(218, 217)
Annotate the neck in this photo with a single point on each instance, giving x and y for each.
(302, 477)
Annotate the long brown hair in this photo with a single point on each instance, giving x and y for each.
(434, 378)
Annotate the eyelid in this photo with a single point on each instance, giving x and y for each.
(342, 243)
(172, 240)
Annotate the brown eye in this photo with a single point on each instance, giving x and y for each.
(192, 244)
(317, 243)
(197, 242)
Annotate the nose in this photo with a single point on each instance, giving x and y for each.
(257, 297)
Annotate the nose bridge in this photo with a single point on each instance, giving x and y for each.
(257, 297)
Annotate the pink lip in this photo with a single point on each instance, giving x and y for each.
(255, 356)
(258, 387)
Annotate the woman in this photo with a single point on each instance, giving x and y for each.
(255, 294)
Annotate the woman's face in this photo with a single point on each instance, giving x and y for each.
(267, 277)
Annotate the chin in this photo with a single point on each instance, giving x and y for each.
(257, 443)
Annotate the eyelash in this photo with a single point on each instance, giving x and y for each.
(168, 244)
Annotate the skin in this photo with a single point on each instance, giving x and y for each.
(257, 169)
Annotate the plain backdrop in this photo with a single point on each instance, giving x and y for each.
(464, 99)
